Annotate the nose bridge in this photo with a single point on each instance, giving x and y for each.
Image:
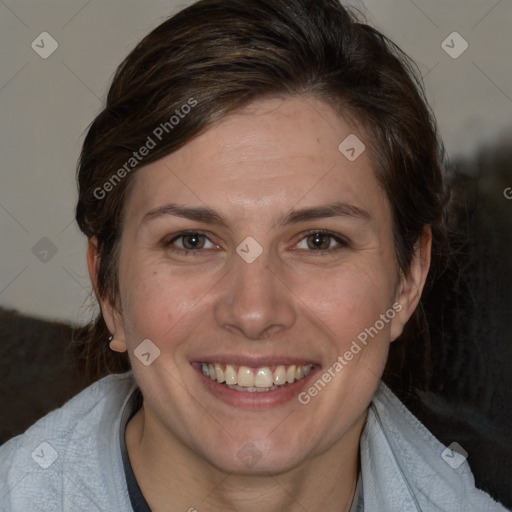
(254, 279)
(254, 300)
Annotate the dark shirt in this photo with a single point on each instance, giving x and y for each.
(139, 503)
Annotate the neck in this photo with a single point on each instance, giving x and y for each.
(169, 472)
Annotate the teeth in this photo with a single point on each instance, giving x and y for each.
(280, 375)
(230, 375)
(253, 389)
(264, 378)
(255, 379)
(290, 374)
(219, 373)
(245, 377)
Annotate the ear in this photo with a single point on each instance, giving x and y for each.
(411, 285)
(111, 315)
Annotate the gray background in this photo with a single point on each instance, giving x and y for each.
(47, 104)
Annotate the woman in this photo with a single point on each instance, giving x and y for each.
(263, 199)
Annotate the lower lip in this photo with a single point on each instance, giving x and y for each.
(254, 399)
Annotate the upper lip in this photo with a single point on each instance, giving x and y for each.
(253, 360)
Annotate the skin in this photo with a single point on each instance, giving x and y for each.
(254, 167)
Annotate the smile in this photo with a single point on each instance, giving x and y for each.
(262, 379)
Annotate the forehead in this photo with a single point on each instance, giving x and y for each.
(273, 153)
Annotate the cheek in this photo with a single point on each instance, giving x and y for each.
(150, 305)
(349, 299)
(159, 302)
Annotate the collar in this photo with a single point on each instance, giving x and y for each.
(402, 466)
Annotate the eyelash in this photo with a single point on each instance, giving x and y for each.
(343, 243)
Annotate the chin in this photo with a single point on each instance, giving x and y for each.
(250, 461)
(246, 457)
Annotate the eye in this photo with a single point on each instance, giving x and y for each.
(189, 241)
(192, 242)
(320, 241)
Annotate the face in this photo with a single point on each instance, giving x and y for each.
(261, 255)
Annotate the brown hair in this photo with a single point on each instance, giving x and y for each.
(219, 55)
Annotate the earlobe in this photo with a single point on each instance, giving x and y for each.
(117, 343)
(411, 285)
(398, 323)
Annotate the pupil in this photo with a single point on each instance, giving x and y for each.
(318, 240)
(193, 241)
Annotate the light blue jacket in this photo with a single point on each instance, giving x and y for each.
(70, 460)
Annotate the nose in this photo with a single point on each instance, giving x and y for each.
(255, 301)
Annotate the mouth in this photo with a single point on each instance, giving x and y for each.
(248, 386)
(263, 379)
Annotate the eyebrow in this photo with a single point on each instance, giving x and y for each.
(209, 216)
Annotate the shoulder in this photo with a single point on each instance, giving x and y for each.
(421, 473)
(71, 451)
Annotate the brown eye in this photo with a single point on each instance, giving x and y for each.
(318, 241)
(189, 241)
(193, 241)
